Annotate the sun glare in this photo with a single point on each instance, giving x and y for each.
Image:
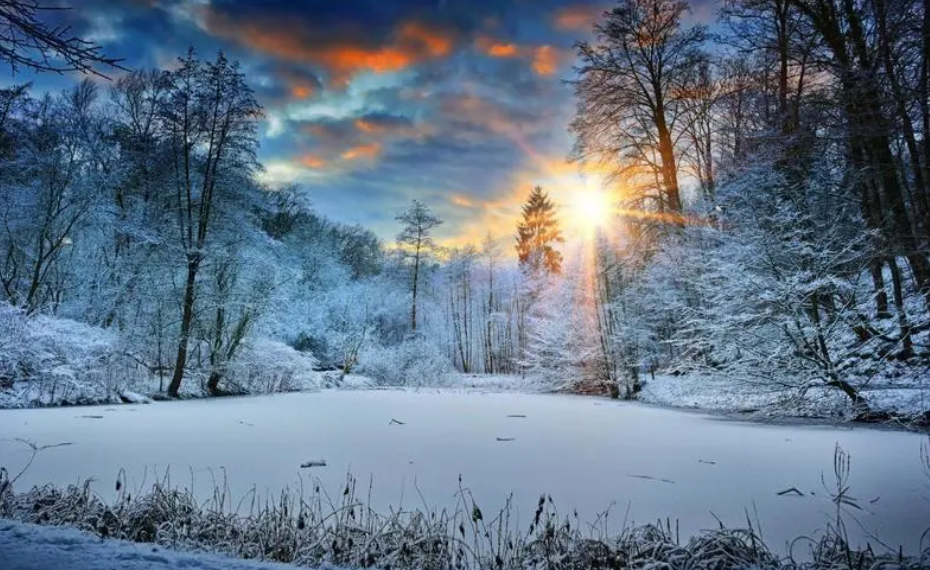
(591, 208)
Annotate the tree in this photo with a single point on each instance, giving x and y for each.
(210, 118)
(416, 241)
(51, 192)
(27, 41)
(537, 233)
(632, 91)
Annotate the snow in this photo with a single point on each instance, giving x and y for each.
(131, 397)
(32, 547)
(588, 454)
(907, 395)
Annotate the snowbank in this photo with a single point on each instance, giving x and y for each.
(906, 395)
(33, 547)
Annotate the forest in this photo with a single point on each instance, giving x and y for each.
(205, 363)
(765, 220)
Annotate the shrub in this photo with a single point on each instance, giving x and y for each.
(414, 362)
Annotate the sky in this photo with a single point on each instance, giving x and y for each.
(373, 103)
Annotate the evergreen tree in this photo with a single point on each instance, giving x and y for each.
(537, 234)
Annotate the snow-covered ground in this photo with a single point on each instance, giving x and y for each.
(908, 395)
(32, 547)
(586, 453)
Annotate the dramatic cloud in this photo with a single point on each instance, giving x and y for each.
(408, 44)
(372, 103)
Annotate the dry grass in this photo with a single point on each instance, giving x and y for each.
(309, 528)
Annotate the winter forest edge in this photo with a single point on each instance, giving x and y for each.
(771, 230)
(758, 246)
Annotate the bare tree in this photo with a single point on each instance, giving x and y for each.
(27, 41)
(416, 241)
(210, 117)
(631, 88)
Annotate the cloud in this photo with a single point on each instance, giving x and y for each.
(462, 200)
(283, 83)
(576, 17)
(408, 43)
(313, 161)
(546, 60)
(493, 48)
(387, 125)
(368, 151)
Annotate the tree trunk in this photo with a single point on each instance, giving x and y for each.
(669, 168)
(881, 295)
(187, 319)
(416, 277)
(907, 346)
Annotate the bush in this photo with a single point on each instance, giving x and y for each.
(265, 366)
(414, 362)
(50, 361)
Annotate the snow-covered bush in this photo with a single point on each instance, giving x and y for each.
(51, 361)
(415, 362)
(266, 366)
(12, 348)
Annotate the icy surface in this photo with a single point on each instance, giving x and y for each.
(31, 547)
(586, 453)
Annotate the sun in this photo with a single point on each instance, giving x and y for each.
(591, 208)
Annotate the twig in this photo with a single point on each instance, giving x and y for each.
(651, 478)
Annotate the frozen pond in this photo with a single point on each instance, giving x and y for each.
(586, 453)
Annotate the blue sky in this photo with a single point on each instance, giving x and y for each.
(371, 103)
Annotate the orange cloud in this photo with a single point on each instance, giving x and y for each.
(503, 50)
(369, 151)
(489, 46)
(437, 45)
(411, 43)
(301, 91)
(312, 161)
(545, 60)
(576, 18)
(370, 127)
(462, 200)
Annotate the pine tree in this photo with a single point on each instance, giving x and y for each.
(537, 233)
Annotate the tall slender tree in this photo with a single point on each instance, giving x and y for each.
(210, 118)
(416, 241)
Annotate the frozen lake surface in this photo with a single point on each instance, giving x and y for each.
(586, 453)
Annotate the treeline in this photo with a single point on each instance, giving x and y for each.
(136, 208)
(772, 182)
